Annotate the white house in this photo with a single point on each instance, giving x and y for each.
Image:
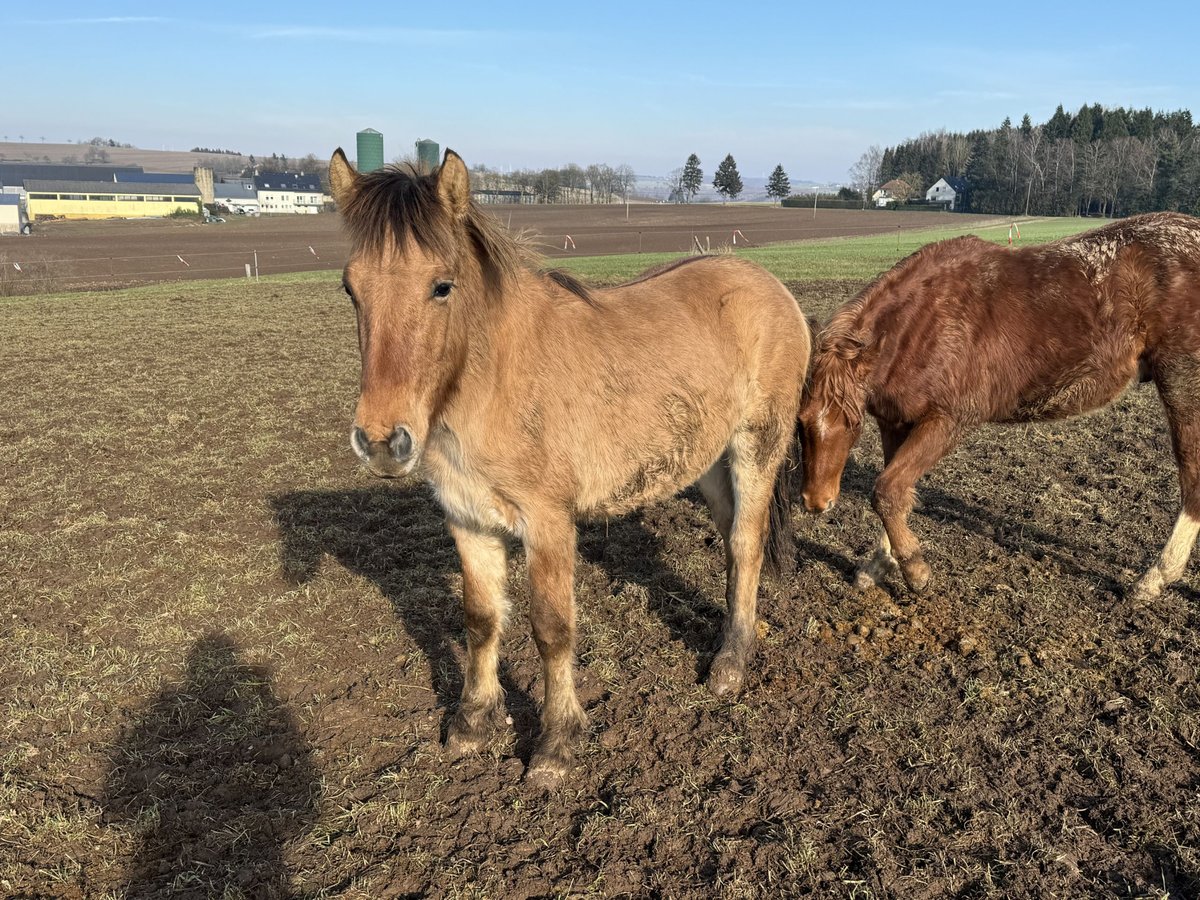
(237, 195)
(891, 192)
(281, 192)
(949, 190)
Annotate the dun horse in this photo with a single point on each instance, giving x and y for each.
(964, 332)
(529, 401)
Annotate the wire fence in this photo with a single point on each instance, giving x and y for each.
(28, 267)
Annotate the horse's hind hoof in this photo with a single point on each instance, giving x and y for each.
(464, 743)
(725, 676)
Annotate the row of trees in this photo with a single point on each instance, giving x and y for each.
(1096, 162)
(686, 181)
(597, 183)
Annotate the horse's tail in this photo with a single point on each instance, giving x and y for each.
(779, 558)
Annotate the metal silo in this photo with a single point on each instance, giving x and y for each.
(370, 150)
(427, 155)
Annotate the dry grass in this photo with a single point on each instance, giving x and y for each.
(228, 655)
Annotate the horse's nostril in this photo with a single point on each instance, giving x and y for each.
(358, 439)
(400, 445)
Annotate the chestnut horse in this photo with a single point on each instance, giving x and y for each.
(529, 401)
(965, 331)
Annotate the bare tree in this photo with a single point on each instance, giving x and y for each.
(625, 178)
(864, 174)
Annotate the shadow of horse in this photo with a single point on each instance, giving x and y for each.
(395, 537)
(216, 778)
(943, 508)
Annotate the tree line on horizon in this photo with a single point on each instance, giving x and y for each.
(1097, 161)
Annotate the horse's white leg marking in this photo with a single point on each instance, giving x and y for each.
(879, 566)
(1171, 563)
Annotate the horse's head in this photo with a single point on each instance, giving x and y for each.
(831, 419)
(411, 266)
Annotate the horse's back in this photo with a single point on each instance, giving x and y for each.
(699, 351)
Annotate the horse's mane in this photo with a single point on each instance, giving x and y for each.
(394, 204)
(835, 379)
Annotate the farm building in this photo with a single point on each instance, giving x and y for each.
(280, 192)
(109, 199)
(15, 174)
(237, 195)
(949, 190)
(12, 214)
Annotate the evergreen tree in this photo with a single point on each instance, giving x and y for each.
(778, 185)
(727, 181)
(691, 178)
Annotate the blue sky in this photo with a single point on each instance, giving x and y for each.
(544, 84)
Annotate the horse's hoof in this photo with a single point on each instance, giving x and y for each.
(547, 770)
(1144, 591)
(460, 743)
(725, 676)
(916, 575)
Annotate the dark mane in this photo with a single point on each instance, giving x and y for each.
(394, 204)
(570, 283)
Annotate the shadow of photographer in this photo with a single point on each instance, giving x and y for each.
(216, 779)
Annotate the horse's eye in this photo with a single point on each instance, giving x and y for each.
(349, 293)
(442, 289)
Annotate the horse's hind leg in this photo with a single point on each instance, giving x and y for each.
(485, 571)
(882, 563)
(1178, 381)
(751, 479)
(928, 442)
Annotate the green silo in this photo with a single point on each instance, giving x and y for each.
(370, 150)
(428, 156)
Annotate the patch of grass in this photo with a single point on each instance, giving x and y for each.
(836, 259)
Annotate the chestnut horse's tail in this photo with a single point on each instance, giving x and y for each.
(779, 558)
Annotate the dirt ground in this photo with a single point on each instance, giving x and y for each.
(74, 255)
(229, 656)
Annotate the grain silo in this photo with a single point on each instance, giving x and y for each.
(427, 155)
(370, 150)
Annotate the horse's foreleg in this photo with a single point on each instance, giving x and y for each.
(882, 563)
(485, 605)
(1178, 381)
(551, 552)
(928, 442)
(751, 485)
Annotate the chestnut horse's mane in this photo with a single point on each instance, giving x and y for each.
(394, 204)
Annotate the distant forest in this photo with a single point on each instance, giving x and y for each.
(1106, 162)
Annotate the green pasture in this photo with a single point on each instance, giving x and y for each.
(835, 259)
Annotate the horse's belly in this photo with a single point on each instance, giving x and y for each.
(1084, 392)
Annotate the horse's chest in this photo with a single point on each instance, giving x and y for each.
(464, 491)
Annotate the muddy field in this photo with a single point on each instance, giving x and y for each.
(229, 655)
(62, 255)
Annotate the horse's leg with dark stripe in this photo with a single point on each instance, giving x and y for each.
(485, 607)
(894, 494)
(882, 564)
(550, 547)
(752, 486)
(1178, 381)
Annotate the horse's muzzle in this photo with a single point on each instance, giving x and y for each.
(815, 503)
(391, 458)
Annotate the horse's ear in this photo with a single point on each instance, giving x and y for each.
(454, 184)
(342, 178)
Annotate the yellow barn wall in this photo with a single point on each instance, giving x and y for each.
(107, 209)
